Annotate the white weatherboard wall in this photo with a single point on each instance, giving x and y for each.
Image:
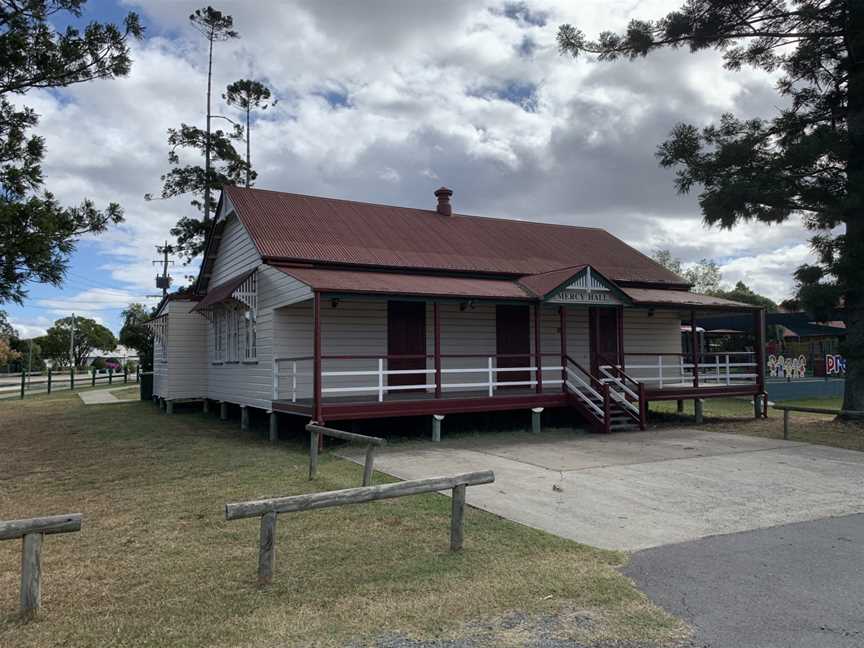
(251, 382)
(236, 253)
(655, 334)
(187, 352)
(183, 373)
(358, 327)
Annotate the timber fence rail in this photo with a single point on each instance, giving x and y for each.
(45, 382)
(812, 410)
(316, 432)
(268, 509)
(33, 531)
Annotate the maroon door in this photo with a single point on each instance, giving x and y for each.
(513, 336)
(605, 337)
(406, 335)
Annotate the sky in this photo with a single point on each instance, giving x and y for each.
(386, 100)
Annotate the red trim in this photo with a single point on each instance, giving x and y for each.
(694, 343)
(348, 411)
(316, 319)
(562, 317)
(436, 316)
(759, 318)
(701, 392)
(620, 324)
(537, 352)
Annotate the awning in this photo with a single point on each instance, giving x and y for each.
(222, 292)
(683, 298)
(391, 283)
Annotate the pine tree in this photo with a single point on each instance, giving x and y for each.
(248, 95)
(222, 164)
(807, 160)
(37, 233)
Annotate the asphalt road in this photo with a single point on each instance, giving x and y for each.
(793, 586)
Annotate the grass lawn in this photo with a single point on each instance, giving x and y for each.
(129, 392)
(156, 564)
(736, 416)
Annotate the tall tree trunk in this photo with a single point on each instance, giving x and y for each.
(207, 142)
(853, 264)
(248, 157)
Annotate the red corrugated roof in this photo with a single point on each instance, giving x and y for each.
(649, 296)
(223, 291)
(326, 230)
(358, 281)
(544, 283)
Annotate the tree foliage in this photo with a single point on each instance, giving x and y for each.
(7, 354)
(226, 167)
(136, 335)
(248, 95)
(37, 234)
(89, 336)
(704, 277)
(7, 331)
(807, 160)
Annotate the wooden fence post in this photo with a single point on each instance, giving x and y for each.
(267, 549)
(32, 533)
(49, 381)
(457, 518)
(72, 378)
(110, 375)
(368, 466)
(313, 453)
(23, 383)
(93, 377)
(31, 573)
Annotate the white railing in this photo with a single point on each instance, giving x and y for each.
(676, 370)
(583, 389)
(619, 390)
(292, 377)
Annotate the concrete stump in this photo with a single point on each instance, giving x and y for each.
(274, 427)
(436, 427)
(536, 412)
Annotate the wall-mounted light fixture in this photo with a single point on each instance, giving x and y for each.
(334, 303)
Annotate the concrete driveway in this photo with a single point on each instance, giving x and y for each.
(638, 490)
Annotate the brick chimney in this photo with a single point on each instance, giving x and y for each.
(443, 195)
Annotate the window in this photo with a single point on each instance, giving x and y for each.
(234, 335)
(160, 338)
(250, 345)
(217, 326)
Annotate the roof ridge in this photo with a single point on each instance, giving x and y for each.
(414, 209)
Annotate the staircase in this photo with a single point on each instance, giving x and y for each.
(613, 403)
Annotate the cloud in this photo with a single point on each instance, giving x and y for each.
(386, 100)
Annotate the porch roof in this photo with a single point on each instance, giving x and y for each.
(391, 283)
(223, 291)
(684, 298)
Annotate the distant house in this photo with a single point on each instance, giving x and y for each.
(334, 310)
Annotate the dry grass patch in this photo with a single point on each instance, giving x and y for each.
(156, 564)
(735, 416)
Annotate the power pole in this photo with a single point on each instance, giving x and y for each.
(163, 281)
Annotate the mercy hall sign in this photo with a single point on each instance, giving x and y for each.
(586, 288)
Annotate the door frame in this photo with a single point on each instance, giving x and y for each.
(419, 309)
(513, 376)
(594, 336)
